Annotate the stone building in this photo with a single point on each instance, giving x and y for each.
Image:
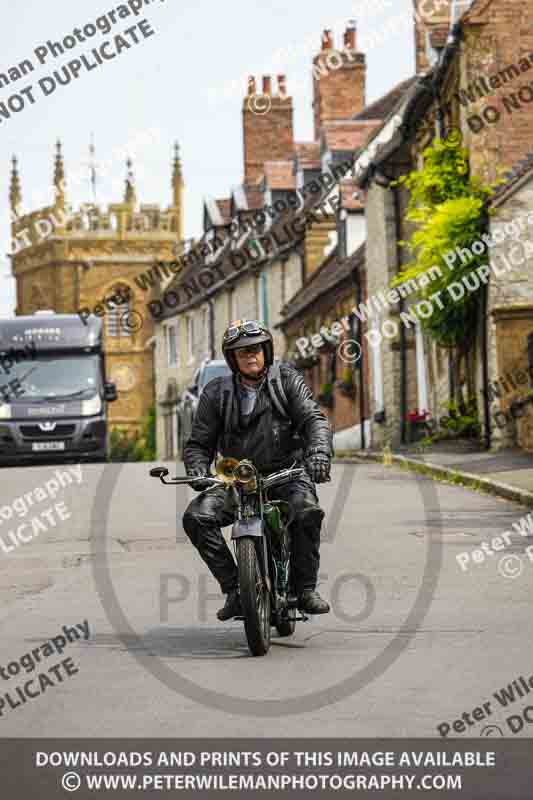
(68, 260)
(337, 284)
(475, 65)
(510, 309)
(281, 174)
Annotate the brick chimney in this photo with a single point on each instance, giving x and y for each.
(432, 22)
(339, 78)
(268, 133)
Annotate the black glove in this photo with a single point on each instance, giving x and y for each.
(318, 467)
(199, 485)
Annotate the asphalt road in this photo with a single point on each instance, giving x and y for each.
(412, 641)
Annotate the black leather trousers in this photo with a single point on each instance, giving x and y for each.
(209, 512)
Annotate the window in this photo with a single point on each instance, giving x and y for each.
(172, 346)
(116, 313)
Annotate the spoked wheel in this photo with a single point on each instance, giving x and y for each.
(255, 598)
(287, 624)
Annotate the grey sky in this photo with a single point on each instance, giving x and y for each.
(186, 82)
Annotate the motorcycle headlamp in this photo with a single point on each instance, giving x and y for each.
(244, 472)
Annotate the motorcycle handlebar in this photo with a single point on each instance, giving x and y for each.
(162, 472)
(284, 475)
(270, 480)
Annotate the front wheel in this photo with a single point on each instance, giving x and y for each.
(255, 598)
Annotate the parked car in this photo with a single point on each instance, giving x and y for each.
(190, 397)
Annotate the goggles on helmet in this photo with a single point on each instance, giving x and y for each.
(250, 328)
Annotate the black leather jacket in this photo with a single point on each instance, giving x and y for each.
(271, 441)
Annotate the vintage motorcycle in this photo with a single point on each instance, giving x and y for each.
(261, 539)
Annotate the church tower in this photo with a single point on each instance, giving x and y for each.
(72, 260)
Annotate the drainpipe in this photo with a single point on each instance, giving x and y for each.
(403, 349)
(77, 285)
(360, 364)
(211, 330)
(441, 132)
(333, 379)
(484, 351)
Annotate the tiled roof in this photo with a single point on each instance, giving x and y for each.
(323, 280)
(279, 175)
(307, 149)
(224, 258)
(349, 135)
(382, 107)
(254, 197)
(308, 154)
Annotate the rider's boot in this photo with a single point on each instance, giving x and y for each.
(232, 606)
(310, 601)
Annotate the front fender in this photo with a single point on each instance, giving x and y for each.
(247, 527)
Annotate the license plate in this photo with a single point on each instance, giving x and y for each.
(48, 446)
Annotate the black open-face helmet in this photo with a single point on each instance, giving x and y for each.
(243, 333)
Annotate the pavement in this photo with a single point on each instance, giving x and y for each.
(507, 473)
(413, 639)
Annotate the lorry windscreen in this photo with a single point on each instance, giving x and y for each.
(57, 377)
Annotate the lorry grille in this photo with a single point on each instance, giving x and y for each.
(34, 432)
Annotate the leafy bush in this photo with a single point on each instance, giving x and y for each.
(123, 445)
(347, 383)
(448, 205)
(137, 446)
(148, 434)
(325, 395)
(462, 422)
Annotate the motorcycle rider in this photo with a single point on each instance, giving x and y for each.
(248, 421)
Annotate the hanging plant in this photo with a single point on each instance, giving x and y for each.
(448, 205)
(347, 384)
(325, 395)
